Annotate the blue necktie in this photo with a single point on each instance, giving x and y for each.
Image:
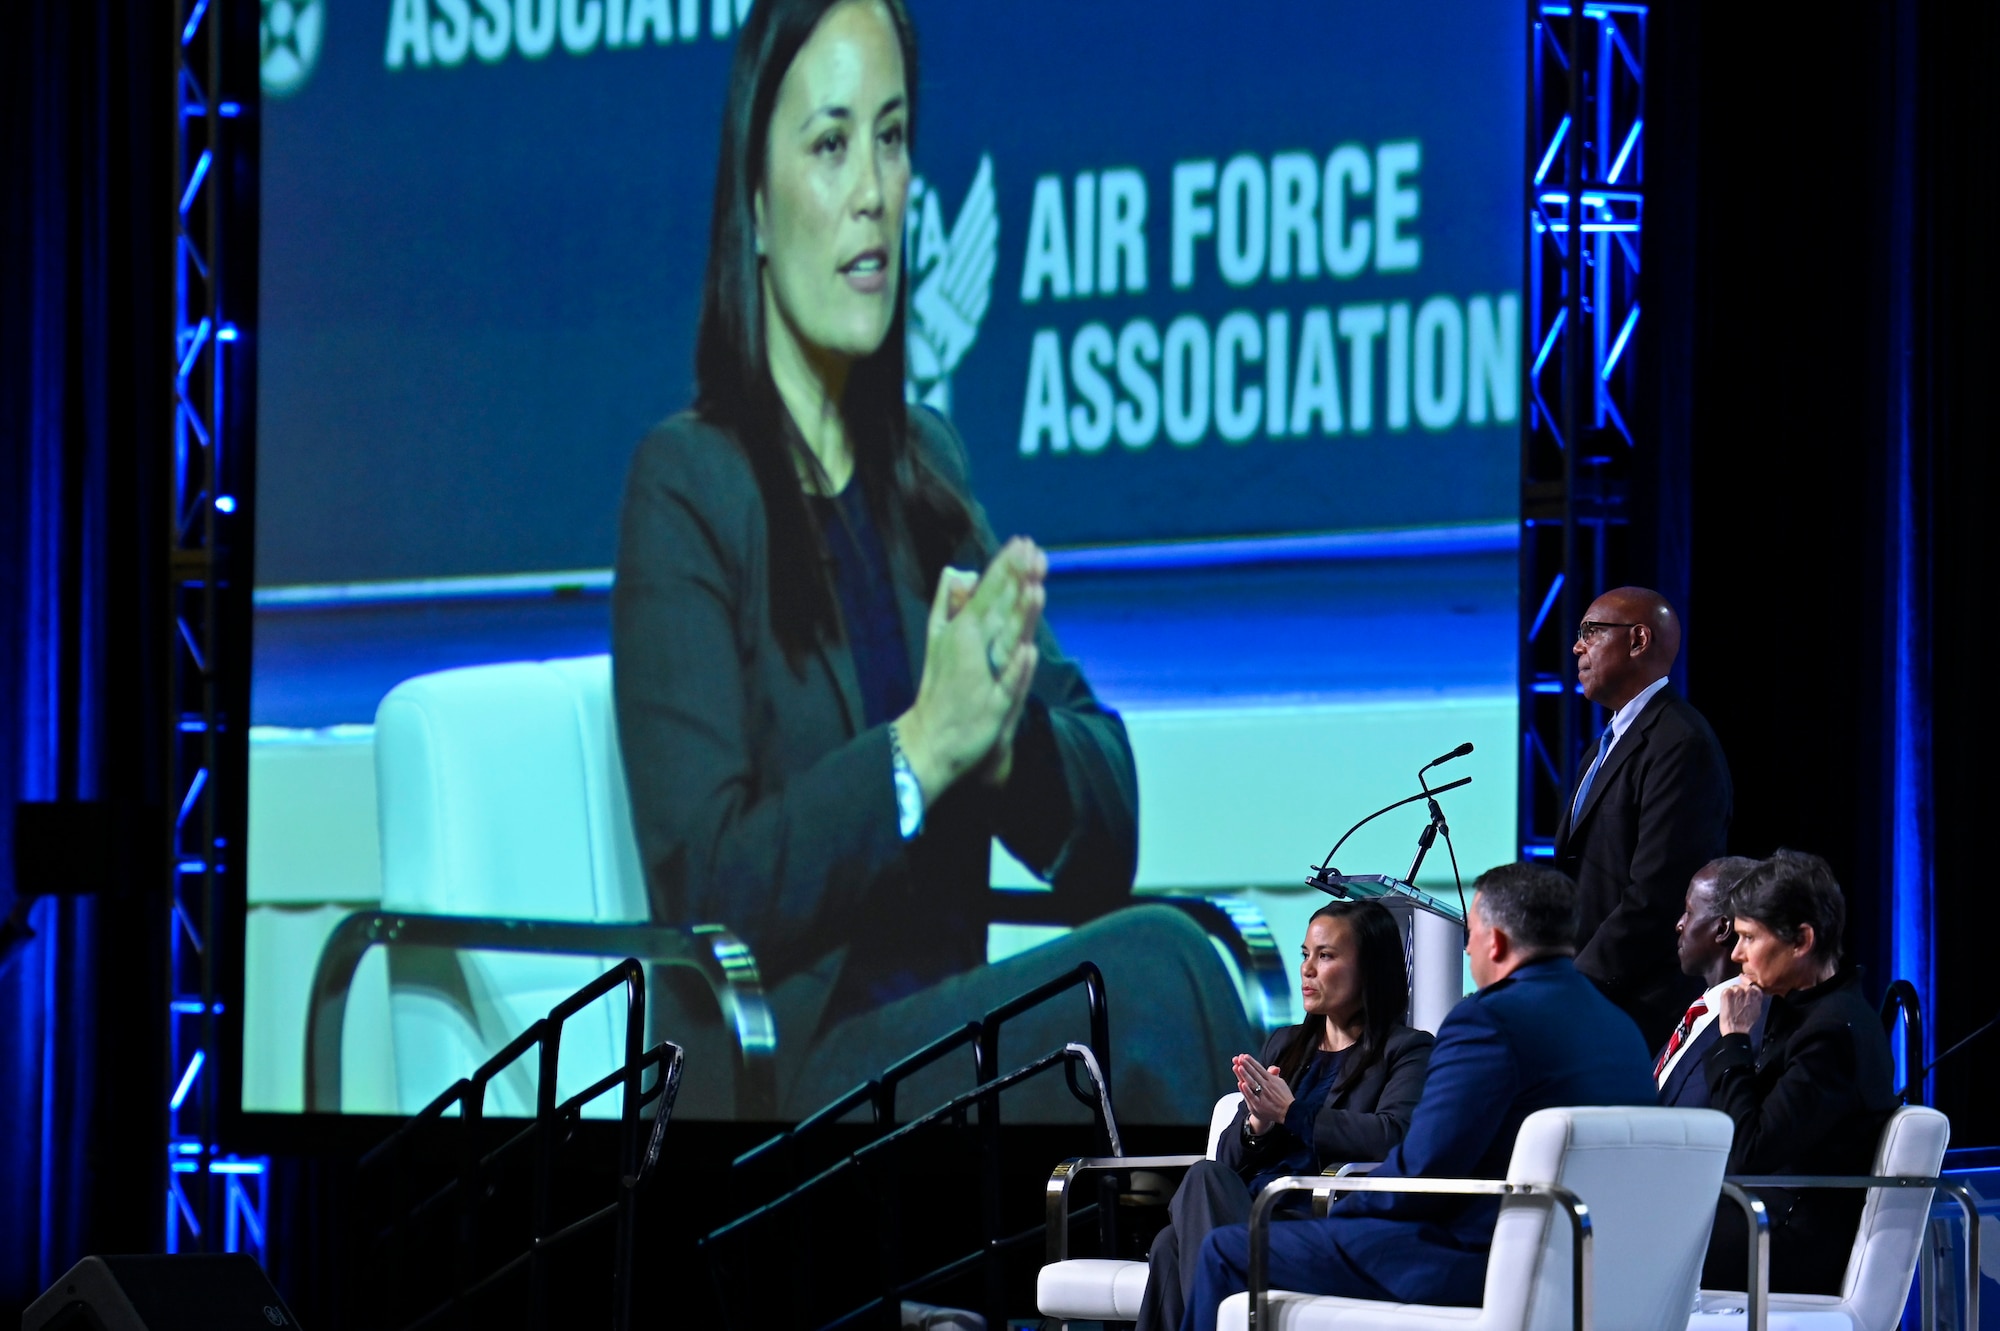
(1604, 743)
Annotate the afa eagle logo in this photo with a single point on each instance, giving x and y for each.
(951, 279)
(289, 34)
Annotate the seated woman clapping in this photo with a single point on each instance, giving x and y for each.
(1339, 1087)
(1813, 1097)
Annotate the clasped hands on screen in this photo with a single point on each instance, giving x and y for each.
(979, 660)
(1266, 1097)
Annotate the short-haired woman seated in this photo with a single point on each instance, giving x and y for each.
(1814, 1096)
(1336, 1088)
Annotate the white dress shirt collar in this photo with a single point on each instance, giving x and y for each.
(1712, 997)
(1622, 719)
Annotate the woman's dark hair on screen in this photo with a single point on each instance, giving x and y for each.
(1385, 992)
(733, 385)
(1789, 890)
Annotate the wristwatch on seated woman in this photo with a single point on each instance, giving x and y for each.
(909, 791)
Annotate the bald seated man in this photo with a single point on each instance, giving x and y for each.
(1651, 807)
(1706, 935)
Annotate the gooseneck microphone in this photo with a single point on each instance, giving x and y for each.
(1437, 823)
(1442, 759)
(1408, 799)
(1327, 879)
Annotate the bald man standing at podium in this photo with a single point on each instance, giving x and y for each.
(1651, 807)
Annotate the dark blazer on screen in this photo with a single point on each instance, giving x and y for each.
(1811, 1099)
(1360, 1122)
(760, 800)
(1657, 811)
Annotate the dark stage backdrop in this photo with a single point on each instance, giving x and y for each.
(85, 366)
(1820, 483)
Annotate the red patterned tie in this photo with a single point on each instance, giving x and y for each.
(1694, 1014)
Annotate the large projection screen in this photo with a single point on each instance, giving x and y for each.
(1223, 300)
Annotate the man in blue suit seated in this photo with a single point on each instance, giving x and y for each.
(1537, 1035)
(1704, 938)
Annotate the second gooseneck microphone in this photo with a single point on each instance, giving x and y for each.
(1444, 758)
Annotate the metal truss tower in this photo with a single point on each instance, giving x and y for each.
(1586, 164)
(214, 1203)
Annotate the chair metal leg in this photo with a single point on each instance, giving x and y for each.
(1927, 1312)
(1969, 1211)
(1757, 1268)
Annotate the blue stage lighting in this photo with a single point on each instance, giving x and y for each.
(187, 1079)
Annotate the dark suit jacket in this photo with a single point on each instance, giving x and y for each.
(1686, 1086)
(1657, 812)
(760, 801)
(1541, 1038)
(1359, 1123)
(1811, 1099)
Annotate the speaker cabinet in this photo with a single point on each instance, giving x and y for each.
(184, 1293)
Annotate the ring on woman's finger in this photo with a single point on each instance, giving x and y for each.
(1256, 1088)
(996, 659)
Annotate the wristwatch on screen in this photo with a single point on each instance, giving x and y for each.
(909, 793)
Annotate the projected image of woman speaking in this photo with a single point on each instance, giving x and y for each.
(834, 685)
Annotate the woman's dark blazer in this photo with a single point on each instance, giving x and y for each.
(1360, 1123)
(760, 800)
(1812, 1099)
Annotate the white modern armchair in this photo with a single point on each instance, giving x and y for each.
(1613, 1199)
(1886, 1242)
(1103, 1289)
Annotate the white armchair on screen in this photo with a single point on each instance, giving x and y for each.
(1648, 1178)
(510, 879)
(1886, 1243)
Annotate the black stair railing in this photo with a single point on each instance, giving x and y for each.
(452, 1179)
(826, 1180)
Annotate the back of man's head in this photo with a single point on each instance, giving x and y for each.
(1533, 904)
(1709, 889)
(1724, 873)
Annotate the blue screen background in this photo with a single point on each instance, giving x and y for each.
(480, 283)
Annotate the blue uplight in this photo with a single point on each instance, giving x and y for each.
(187, 1079)
(1618, 166)
(1549, 157)
(1548, 604)
(1618, 347)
